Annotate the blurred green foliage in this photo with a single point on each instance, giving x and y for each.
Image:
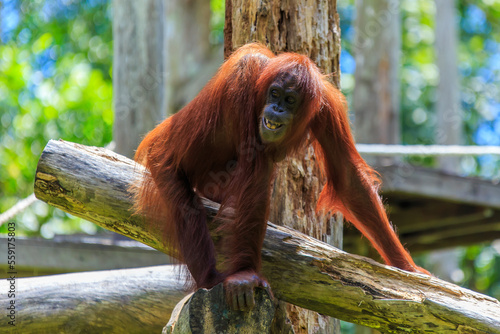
(419, 74)
(480, 266)
(217, 21)
(55, 82)
(479, 70)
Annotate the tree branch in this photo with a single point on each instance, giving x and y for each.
(93, 183)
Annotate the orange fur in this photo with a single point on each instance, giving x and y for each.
(212, 148)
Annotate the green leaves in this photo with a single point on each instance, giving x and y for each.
(54, 83)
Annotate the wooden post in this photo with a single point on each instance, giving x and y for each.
(449, 129)
(377, 47)
(138, 81)
(206, 311)
(161, 60)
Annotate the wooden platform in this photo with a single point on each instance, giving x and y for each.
(433, 210)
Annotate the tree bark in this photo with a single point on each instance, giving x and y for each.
(206, 311)
(93, 183)
(308, 27)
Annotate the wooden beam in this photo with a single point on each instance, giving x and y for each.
(93, 183)
(431, 183)
(426, 223)
(432, 209)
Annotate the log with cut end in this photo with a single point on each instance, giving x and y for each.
(93, 183)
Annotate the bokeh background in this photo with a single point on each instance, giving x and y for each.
(56, 82)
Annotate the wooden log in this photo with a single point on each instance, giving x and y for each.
(114, 301)
(206, 311)
(92, 183)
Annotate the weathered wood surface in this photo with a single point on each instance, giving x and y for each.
(115, 301)
(308, 27)
(92, 183)
(206, 311)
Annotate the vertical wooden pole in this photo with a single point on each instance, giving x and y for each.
(138, 82)
(377, 48)
(449, 130)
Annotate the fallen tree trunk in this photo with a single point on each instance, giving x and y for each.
(92, 183)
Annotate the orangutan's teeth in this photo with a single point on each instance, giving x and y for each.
(271, 125)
